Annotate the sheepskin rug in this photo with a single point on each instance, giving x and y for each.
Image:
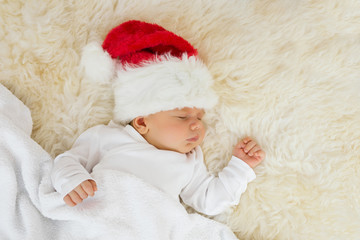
(287, 72)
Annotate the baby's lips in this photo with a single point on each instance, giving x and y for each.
(193, 139)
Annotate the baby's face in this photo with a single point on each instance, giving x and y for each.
(179, 130)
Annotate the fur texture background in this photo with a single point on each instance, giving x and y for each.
(287, 72)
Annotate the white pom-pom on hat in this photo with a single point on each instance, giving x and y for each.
(97, 64)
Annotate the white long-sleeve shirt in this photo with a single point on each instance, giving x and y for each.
(113, 146)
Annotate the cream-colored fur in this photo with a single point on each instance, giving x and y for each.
(287, 72)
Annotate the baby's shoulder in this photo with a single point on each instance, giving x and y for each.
(100, 131)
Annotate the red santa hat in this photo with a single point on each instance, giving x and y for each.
(152, 70)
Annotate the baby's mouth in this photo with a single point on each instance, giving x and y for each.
(193, 139)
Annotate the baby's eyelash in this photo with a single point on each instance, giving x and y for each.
(186, 117)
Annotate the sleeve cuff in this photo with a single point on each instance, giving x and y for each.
(243, 167)
(73, 183)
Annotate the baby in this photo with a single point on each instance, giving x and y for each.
(161, 93)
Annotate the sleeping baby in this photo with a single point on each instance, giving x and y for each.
(162, 90)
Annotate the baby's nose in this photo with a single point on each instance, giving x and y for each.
(195, 125)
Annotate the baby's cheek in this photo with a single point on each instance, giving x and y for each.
(172, 136)
(202, 134)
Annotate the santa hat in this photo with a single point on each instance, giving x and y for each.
(152, 70)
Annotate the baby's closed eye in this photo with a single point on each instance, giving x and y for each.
(182, 117)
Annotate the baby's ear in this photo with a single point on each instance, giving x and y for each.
(139, 124)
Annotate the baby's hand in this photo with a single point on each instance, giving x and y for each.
(249, 151)
(81, 192)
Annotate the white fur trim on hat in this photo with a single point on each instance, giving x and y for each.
(162, 85)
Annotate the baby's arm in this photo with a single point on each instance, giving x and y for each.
(249, 151)
(212, 195)
(72, 168)
(80, 193)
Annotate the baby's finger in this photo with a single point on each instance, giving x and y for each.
(254, 150)
(94, 185)
(81, 192)
(246, 140)
(68, 201)
(75, 197)
(260, 154)
(87, 188)
(240, 145)
(250, 145)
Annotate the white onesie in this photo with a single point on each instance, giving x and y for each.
(113, 146)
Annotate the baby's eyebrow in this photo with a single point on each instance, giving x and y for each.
(186, 112)
(181, 112)
(202, 113)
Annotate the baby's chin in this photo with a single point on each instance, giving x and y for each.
(188, 148)
(183, 149)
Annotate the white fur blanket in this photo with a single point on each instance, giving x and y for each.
(125, 207)
(287, 72)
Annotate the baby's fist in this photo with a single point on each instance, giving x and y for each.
(82, 191)
(249, 151)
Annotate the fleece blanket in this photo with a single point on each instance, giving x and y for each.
(287, 73)
(125, 207)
